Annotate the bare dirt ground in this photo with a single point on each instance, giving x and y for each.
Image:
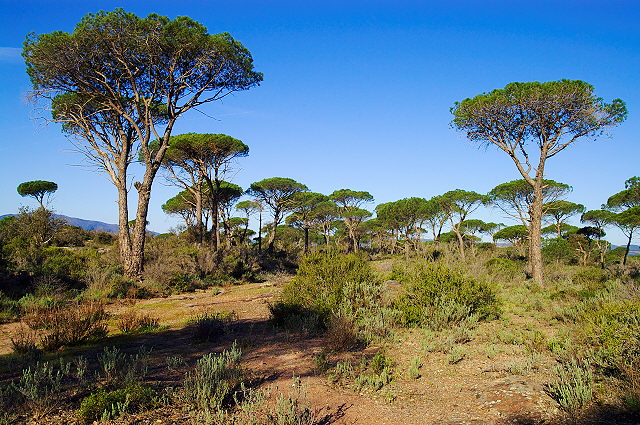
(479, 389)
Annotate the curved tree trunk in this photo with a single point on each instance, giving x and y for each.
(626, 251)
(535, 230)
(199, 209)
(274, 227)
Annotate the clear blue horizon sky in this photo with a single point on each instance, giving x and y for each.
(355, 95)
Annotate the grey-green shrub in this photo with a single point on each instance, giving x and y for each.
(213, 379)
(331, 285)
(119, 368)
(504, 268)
(572, 388)
(107, 405)
(327, 282)
(437, 296)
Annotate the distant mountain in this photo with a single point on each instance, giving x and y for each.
(85, 224)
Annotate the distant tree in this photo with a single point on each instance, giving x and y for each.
(303, 205)
(349, 203)
(437, 213)
(405, 217)
(118, 82)
(37, 189)
(627, 204)
(474, 226)
(559, 211)
(515, 198)
(183, 204)
(582, 241)
(549, 116)
(222, 199)
(276, 193)
(599, 219)
(516, 235)
(461, 204)
(249, 208)
(559, 230)
(198, 160)
(324, 216)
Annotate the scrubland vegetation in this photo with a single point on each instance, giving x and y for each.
(400, 309)
(383, 319)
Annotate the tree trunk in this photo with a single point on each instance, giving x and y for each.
(260, 232)
(199, 224)
(306, 240)
(272, 236)
(325, 234)
(626, 251)
(535, 231)
(352, 237)
(124, 237)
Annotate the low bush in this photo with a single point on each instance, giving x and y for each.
(330, 287)
(119, 368)
(183, 282)
(211, 326)
(613, 329)
(321, 279)
(41, 385)
(436, 296)
(372, 373)
(254, 408)
(106, 405)
(590, 277)
(9, 308)
(132, 322)
(572, 388)
(295, 317)
(213, 380)
(71, 324)
(504, 268)
(25, 343)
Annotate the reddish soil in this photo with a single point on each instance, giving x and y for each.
(476, 390)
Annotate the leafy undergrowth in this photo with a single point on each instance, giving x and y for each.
(471, 334)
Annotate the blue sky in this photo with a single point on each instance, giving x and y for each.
(355, 95)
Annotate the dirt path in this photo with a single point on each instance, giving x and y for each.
(477, 390)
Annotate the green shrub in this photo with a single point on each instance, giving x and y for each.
(106, 405)
(294, 317)
(558, 250)
(119, 368)
(213, 380)
(572, 388)
(183, 282)
(41, 385)
(321, 279)
(614, 330)
(9, 308)
(504, 268)
(211, 326)
(435, 294)
(590, 277)
(63, 263)
(414, 368)
(331, 285)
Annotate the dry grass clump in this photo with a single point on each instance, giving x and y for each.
(69, 324)
(130, 322)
